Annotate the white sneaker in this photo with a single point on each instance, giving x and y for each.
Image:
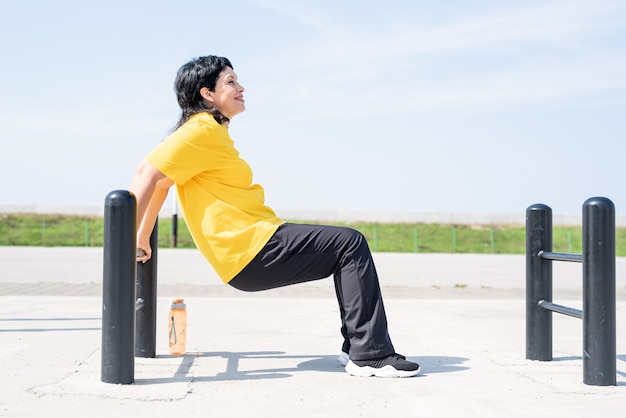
(394, 365)
(343, 358)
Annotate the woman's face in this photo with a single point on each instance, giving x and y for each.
(228, 94)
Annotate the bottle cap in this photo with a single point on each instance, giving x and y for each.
(178, 304)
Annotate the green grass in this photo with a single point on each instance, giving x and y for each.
(66, 230)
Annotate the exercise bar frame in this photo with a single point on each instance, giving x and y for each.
(129, 297)
(599, 306)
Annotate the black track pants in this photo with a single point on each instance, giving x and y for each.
(301, 253)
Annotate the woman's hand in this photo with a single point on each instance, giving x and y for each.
(144, 251)
(150, 188)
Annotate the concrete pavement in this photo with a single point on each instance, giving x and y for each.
(273, 354)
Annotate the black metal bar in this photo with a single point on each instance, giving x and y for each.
(118, 293)
(599, 321)
(145, 337)
(139, 304)
(565, 310)
(576, 258)
(538, 282)
(174, 230)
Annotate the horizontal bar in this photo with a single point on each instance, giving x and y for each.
(565, 310)
(576, 258)
(139, 303)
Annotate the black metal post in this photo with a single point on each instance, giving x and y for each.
(538, 282)
(118, 293)
(174, 230)
(599, 318)
(145, 337)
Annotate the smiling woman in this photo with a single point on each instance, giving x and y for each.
(249, 247)
(227, 94)
(197, 87)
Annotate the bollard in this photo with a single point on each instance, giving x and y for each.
(538, 283)
(174, 242)
(599, 318)
(118, 293)
(145, 317)
(599, 305)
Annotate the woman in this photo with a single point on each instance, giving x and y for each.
(249, 247)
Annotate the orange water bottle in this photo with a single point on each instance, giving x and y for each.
(177, 328)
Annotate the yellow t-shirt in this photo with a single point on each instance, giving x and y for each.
(224, 211)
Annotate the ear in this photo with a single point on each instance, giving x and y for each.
(206, 94)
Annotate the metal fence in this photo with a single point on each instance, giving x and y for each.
(599, 305)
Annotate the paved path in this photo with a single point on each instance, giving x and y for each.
(273, 354)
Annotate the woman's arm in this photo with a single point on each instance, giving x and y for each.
(150, 188)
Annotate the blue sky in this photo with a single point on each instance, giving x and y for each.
(455, 106)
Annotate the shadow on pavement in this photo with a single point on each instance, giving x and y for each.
(203, 362)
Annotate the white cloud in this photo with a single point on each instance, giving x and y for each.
(550, 52)
(464, 75)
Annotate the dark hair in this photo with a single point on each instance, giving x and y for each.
(191, 77)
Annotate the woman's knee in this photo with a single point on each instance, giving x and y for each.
(353, 237)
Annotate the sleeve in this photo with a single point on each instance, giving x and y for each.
(184, 154)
